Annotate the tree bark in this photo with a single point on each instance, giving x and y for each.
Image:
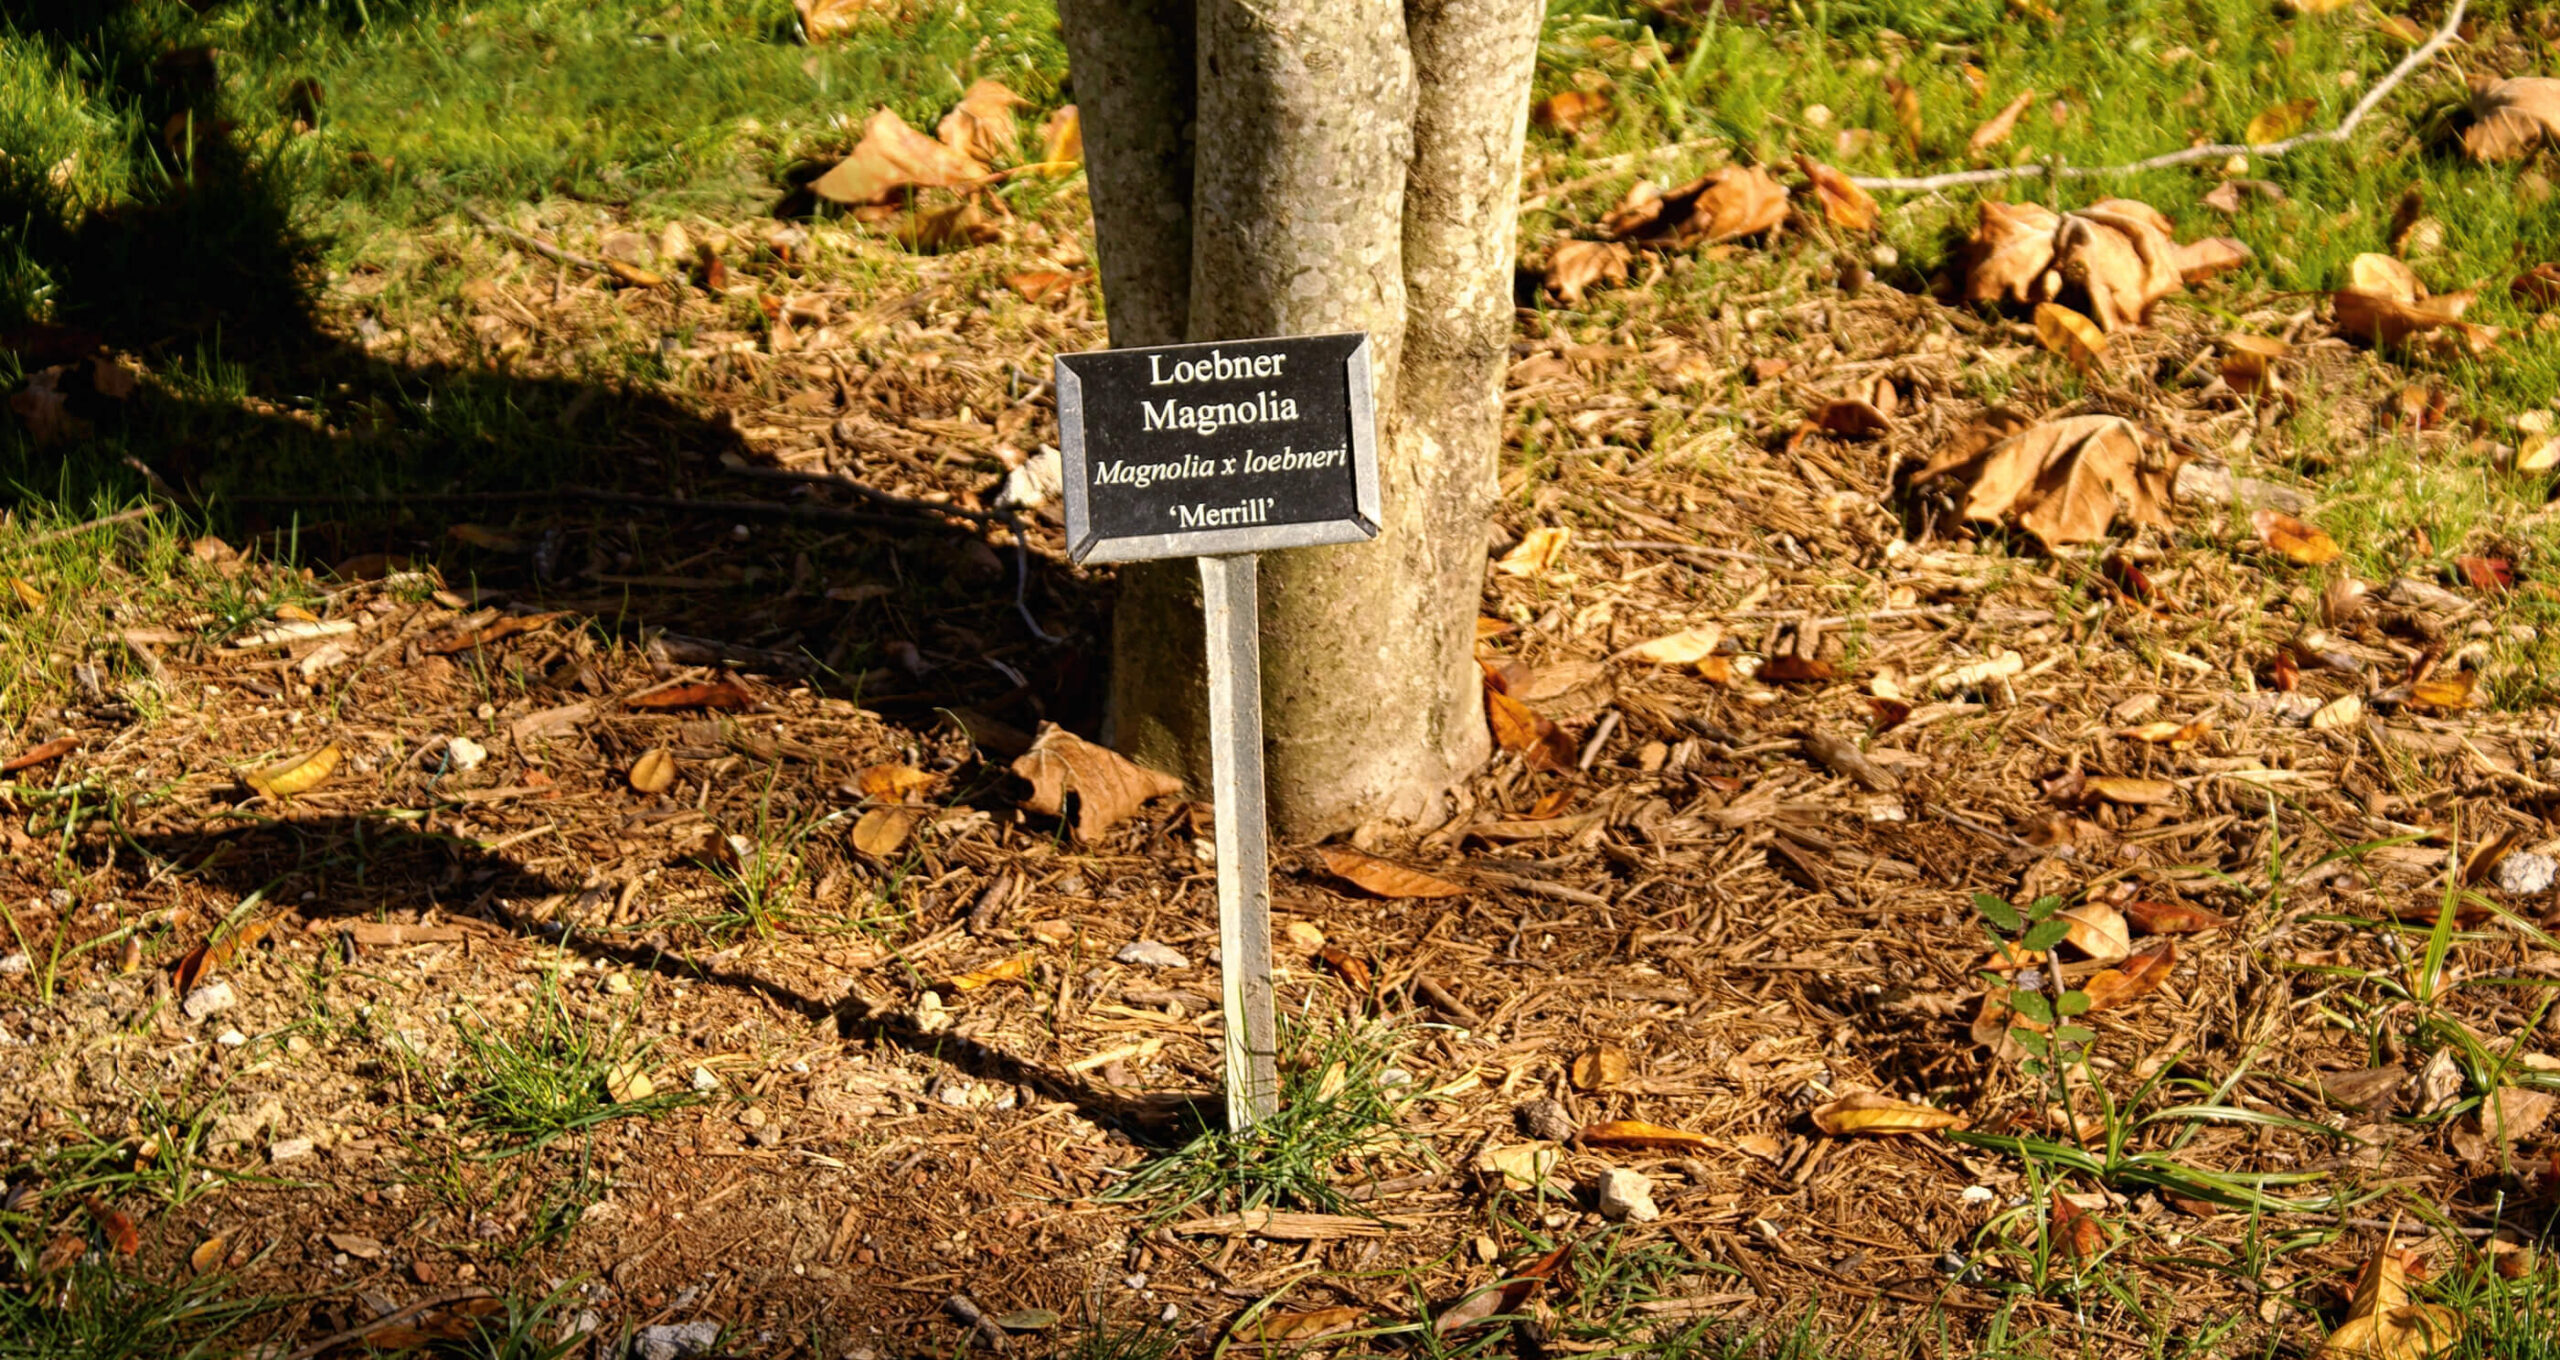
(1356, 167)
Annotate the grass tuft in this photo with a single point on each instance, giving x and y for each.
(548, 1079)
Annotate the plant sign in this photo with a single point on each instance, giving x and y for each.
(1219, 452)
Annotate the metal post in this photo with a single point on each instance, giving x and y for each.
(1228, 589)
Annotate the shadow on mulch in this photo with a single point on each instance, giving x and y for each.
(274, 431)
(340, 869)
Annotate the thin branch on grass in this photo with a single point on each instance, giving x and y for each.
(637, 278)
(75, 530)
(2346, 128)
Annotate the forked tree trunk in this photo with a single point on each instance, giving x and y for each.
(1293, 167)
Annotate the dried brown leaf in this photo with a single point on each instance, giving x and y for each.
(2071, 335)
(883, 831)
(208, 1254)
(1569, 111)
(1047, 287)
(1851, 419)
(725, 693)
(2384, 276)
(2538, 287)
(2097, 930)
(654, 772)
(1298, 1328)
(2381, 1322)
(890, 158)
(2170, 918)
(1732, 203)
(1062, 140)
(1385, 878)
(2065, 481)
(892, 782)
(1869, 1113)
(981, 129)
(827, 20)
(2136, 975)
(2129, 792)
(39, 754)
(1843, 204)
(1997, 127)
(1108, 787)
(1014, 969)
(2011, 251)
(117, 1226)
(1574, 267)
(1636, 1133)
(1518, 727)
(1598, 1067)
(208, 958)
(2513, 118)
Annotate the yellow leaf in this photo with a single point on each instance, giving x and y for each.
(893, 782)
(208, 1254)
(2071, 335)
(1867, 1112)
(2097, 930)
(1996, 129)
(625, 1082)
(892, 157)
(2445, 690)
(1536, 552)
(1308, 1326)
(881, 831)
(2136, 975)
(1599, 1067)
(1061, 141)
(27, 594)
(1687, 647)
(1522, 1166)
(298, 775)
(1014, 969)
(2384, 276)
(2301, 544)
(2381, 1322)
(654, 771)
(1386, 878)
(1635, 1133)
(2170, 732)
(2275, 123)
(2340, 713)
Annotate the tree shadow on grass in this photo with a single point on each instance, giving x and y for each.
(600, 496)
(334, 871)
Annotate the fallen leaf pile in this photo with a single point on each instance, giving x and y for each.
(2118, 257)
(2064, 481)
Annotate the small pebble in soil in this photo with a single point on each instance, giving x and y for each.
(1151, 954)
(211, 999)
(2526, 873)
(704, 1082)
(287, 1149)
(231, 1038)
(1545, 1119)
(1626, 1195)
(675, 1340)
(465, 753)
(13, 964)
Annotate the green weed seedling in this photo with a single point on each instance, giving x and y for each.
(525, 1089)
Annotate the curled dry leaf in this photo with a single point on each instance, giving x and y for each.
(1569, 111)
(1536, 552)
(1297, 1328)
(1843, 204)
(1997, 127)
(208, 1254)
(1573, 267)
(2538, 287)
(2301, 544)
(2127, 792)
(2071, 335)
(892, 782)
(1869, 1113)
(1355, 974)
(2136, 975)
(1852, 419)
(724, 693)
(882, 831)
(981, 128)
(2076, 1229)
(208, 958)
(2384, 276)
(1635, 1133)
(1687, 647)
(2512, 119)
(890, 158)
(826, 20)
(295, 775)
(1107, 786)
(1598, 1067)
(1014, 969)
(1384, 878)
(1732, 203)
(2012, 251)
(2382, 1323)
(1046, 287)
(2170, 918)
(2119, 253)
(1518, 727)
(2065, 481)
(1062, 140)
(2097, 930)
(654, 772)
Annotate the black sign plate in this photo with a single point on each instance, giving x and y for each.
(1203, 450)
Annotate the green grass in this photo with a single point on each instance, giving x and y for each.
(91, 1312)
(545, 1079)
(1335, 1118)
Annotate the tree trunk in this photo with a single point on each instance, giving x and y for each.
(1354, 166)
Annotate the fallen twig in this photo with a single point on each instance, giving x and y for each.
(75, 530)
(2187, 155)
(636, 277)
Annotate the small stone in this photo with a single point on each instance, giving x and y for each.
(617, 984)
(288, 1149)
(754, 1117)
(465, 753)
(1627, 1196)
(1151, 954)
(703, 1082)
(1304, 936)
(675, 1340)
(931, 1016)
(1039, 480)
(231, 1038)
(2526, 873)
(1545, 1119)
(15, 963)
(209, 1000)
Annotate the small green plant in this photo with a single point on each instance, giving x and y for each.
(2040, 1003)
(91, 1312)
(520, 1330)
(550, 1078)
(1335, 1107)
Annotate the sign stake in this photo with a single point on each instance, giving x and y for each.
(1230, 595)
